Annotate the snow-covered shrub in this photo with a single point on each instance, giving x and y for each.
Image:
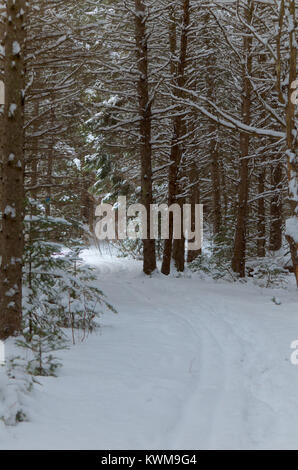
(211, 266)
(15, 384)
(59, 291)
(267, 272)
(129, 248)
(60, 287)
(41, 343)
(215, 261)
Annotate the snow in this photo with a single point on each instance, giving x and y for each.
(10, 211)
(2, 353)
(14, 390)
(16, 48)
(292, 228)
(12, 109)
(186, 364)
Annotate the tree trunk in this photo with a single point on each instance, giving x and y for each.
(214, 143)
(261, 241)
(141, 38)
(12, 178)
(178, 75)
(179, 254)
(292, 143)
(238, 260)
(217, 217)
(194, 199)
(276, 209)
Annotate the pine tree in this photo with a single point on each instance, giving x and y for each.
(12, 174)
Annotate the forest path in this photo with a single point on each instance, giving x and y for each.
(186, 364)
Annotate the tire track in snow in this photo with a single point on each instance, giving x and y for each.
(201, 422)
(223, 407)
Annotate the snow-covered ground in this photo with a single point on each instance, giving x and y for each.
(186, 364)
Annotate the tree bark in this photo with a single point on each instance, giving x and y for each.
(276, 221)
(194, 199)
(12, 178)
(261, 241)
(178, 74)
(141, 39)
(238, 260)
(214, 143)
(292, 143)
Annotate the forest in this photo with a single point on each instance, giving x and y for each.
(179, 103)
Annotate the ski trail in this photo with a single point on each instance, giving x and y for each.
(186, 364)
(223, 407)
